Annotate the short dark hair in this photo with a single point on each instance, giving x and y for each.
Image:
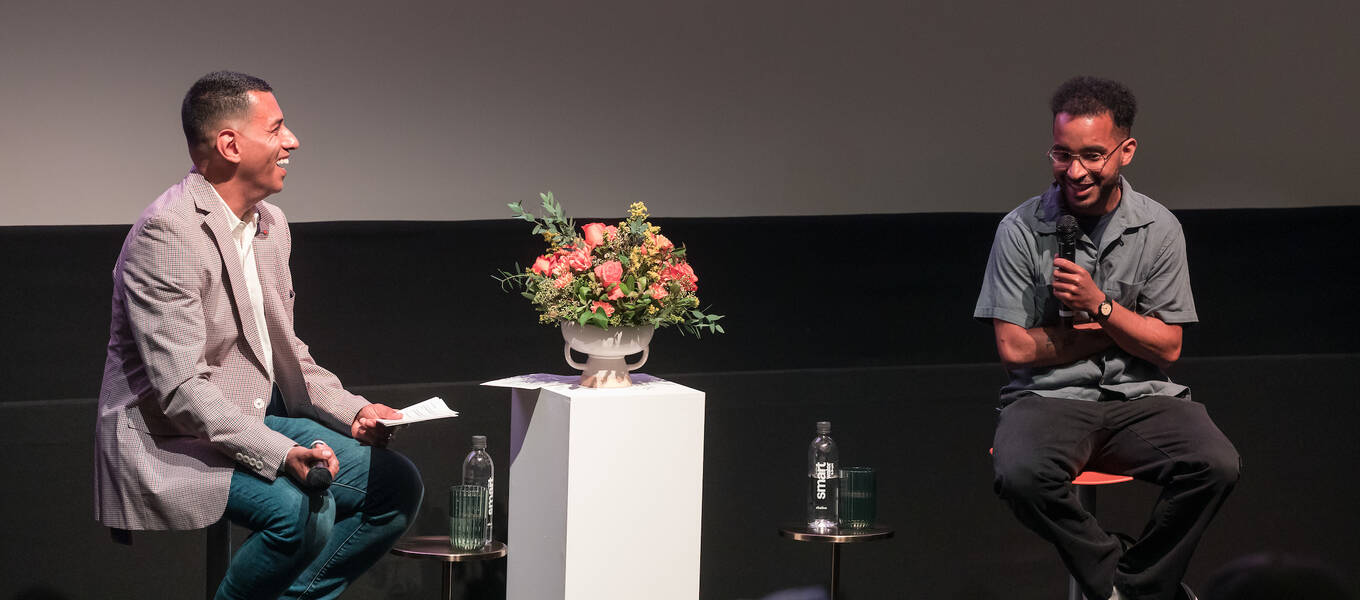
(1085, 96)
(216, 96)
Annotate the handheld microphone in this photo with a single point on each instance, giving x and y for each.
(1068, 232)
(318, 476)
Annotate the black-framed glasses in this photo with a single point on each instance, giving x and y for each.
(1091, 161)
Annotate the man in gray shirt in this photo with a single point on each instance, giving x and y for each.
(1094, 395)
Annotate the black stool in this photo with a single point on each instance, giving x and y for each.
(217, 556)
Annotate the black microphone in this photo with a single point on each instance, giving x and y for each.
(1068, 232)
(318, 476)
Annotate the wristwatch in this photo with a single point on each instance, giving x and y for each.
(1104, 309)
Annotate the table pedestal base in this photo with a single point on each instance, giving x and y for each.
(436, 547)
(801, 533)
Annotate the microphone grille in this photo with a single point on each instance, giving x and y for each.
(318, 478)
(1067, 228)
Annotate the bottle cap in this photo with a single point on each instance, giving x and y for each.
(823, 427)
(479, 442)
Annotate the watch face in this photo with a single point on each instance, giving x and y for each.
(1106, 308)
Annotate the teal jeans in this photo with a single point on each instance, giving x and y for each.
(308, 544)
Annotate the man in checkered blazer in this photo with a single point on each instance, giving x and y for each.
(210, 405)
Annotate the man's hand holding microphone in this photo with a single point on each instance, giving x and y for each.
(314, 467)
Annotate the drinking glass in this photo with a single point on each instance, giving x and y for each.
(858, 498)
(467, 517)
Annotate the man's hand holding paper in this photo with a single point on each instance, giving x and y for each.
(431, 409)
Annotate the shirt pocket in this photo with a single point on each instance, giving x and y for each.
(1127, 294)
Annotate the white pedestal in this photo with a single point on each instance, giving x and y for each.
(606, 490)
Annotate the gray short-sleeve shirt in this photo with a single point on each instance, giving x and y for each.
(1138, 261)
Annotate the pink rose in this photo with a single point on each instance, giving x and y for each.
(611, 231)
(616, 292)
(657, 291)
(542, 265)
(683, 273)
(594, 234)
(562, 281)
(662, 243)
(605, 306)
(609, 272)
(578, 259)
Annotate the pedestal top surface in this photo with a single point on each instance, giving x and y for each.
(436, 547)
(801, 532)
(570, 385)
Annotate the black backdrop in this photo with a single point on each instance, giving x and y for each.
(864, 320)
(399, 302)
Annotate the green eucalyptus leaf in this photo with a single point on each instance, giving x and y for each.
(598, 318)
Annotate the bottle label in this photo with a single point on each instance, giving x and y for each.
(824, 471)
(490, 494)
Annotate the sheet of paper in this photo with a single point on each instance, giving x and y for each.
(434, 408)
(547, 380)
(534, 381)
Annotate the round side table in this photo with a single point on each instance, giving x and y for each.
(436, 547)
(800, 532)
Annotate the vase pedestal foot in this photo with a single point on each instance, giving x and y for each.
(605, 372)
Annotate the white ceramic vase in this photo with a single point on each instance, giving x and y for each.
(606, 366)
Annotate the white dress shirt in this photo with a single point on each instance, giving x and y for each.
(243, 232)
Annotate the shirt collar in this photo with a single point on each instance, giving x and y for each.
(234, 222)
(1133, 210)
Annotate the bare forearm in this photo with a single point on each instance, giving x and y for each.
(1147, 338)
(1045, 346)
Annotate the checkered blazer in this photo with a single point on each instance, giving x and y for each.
(185, 388)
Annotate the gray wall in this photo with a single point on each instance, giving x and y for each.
(448, 110)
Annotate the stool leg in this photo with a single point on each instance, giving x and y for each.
(218, 556)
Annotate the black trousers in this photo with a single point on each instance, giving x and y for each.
(1042, 443)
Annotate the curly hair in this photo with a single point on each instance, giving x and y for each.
(216, 96)
(1085, 96)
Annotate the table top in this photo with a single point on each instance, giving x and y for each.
(800, 532)
(436, 547)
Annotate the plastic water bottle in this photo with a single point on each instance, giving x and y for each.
(478, 470)
(823, 480)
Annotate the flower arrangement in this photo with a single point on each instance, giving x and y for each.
(625, 275)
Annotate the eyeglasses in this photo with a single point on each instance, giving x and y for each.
(1092, 161)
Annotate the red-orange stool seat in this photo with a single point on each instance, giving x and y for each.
(1098, 478)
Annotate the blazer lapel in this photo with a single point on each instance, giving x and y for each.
(287, 369)
(215, 221)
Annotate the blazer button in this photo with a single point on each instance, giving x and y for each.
(259, 403)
